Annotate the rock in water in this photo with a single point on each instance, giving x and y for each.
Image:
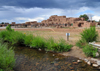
(39, 49)
(97, 54)
(95, 65)
(89, 63)
(53, 55)
(79, 61)
(98, 62)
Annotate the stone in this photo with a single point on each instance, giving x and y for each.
(79, 61)
(39, 49)
(95, 60)
(98, 67)
(97, 54)
(98, 62)
(57, 59)
(73, 60)
(86, 60)
(95, 65)
(98, 49)
(71, 68)
(52, 62)
(89, 63)
(30, 46)
(53, 55)
(83, 65)
(56, 64)
(75, 63)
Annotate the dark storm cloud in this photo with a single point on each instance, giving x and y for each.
(50, 3)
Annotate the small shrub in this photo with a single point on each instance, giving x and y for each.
(7, 60)
(58, 46)
(51, 44)
(38, 42)
(89, 50)
(90, 34)
(13, 37)
(9, 28)
(4, 34)
(63, 47)
(16, 37)
(28, 39)
(81, 43)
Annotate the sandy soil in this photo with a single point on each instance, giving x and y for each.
(76, 52)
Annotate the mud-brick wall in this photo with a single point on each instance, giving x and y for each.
(86, 24)
(93, 24)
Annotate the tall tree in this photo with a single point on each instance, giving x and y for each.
(2, 23)
(84, 16)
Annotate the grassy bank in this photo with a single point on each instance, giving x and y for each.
(88, 35)
(18, 38)
(7, 60)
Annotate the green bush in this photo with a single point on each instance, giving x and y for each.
(4, 34)
(9, 28)
(63, 47)
(16, 37)
(90, 34)
(58, 46)
(13, 37)
(28, 39)
(81, 43)
(38, 42)
(51, 44)
(89, 50)
(7, 60)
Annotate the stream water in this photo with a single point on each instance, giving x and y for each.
(28, 59)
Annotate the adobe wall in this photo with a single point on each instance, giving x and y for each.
(66, 22)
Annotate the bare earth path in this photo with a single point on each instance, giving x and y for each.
(76, 52)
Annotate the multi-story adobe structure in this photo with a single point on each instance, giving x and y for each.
(62, 21)
(56, 21)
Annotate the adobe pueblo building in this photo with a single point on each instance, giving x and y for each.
(55, 21)
(62, 21)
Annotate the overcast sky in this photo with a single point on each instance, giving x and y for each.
(20, 11)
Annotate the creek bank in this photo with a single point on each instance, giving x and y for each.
(77, 52)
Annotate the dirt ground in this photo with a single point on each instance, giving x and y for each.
(57, 33)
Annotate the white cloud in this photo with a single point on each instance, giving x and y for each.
(29, 19)
(97, 18)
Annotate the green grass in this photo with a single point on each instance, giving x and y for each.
(89, 50)
(28, 39)
(38, 42)
(81, 43)
(13, 37)
(18, 38)
(58, 46)
(89, 34)
(7, 60)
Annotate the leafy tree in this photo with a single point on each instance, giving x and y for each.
(84, 16)
(2, 23)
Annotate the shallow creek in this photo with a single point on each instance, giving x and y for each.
(28, 59)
